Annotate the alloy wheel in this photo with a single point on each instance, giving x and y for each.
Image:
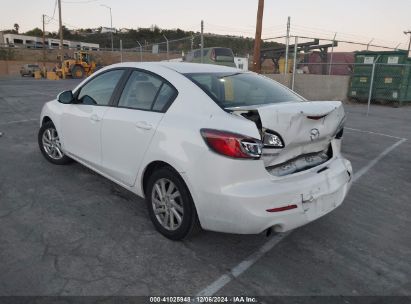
(51, 144)
(167, 204)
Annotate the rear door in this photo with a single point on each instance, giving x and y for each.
(81, 121)
(127, 129)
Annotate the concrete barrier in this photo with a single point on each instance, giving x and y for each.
(317, 87)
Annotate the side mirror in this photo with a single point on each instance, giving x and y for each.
(65, 97)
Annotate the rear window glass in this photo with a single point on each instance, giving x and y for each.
(223, 52)
(242, 89)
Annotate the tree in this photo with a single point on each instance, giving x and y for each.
(34, 32)
(16, 27)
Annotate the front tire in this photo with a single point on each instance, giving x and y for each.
(170, 205)
(50, 147)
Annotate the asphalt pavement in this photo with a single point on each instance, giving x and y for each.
(65, 230)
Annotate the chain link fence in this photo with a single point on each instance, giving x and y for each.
(318, 70)
(367, 84)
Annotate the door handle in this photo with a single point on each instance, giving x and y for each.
(144, 125)
(95, 118)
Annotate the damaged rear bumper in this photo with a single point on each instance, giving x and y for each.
(243, 207)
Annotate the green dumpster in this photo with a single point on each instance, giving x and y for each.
(392, 77)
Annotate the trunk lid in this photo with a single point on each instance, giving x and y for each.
(305, 127)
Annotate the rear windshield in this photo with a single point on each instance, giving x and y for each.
(242, 89)
(223, 52)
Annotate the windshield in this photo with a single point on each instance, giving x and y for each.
(242, 89)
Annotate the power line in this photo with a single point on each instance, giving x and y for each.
(321, 32)
(55, 21)
(55, 7)
(54, 13)
(340, 41)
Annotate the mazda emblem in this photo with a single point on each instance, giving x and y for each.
(314, 134)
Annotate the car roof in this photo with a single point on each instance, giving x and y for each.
(180, 67)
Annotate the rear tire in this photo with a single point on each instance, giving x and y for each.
(77, 72)
(49, 144)
(170, 205)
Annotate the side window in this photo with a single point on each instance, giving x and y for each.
(140, 91)
(98, 91)
(165, 96)
(207, 83)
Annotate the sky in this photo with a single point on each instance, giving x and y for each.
(355, 20)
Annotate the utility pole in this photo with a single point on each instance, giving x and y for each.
(61, 41)
(287, 46)
(111, 25)
(257, 40)
(60, 26)
(44, 42)
(192, 41)
(409, 44)
(202, 41)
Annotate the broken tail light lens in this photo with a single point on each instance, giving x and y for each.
(231, 144)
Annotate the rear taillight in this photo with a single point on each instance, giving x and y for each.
(232, 144)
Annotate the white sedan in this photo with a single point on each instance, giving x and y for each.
(207, 146)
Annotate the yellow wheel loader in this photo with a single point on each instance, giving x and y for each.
(80, 66)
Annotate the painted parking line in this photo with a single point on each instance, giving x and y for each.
(17, 121)
(373, 133)
(235, 272)
(214, 287)
(373, 162)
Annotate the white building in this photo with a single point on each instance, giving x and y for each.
(23, 41)
(108, 30)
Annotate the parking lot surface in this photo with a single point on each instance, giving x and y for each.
(65, 230)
